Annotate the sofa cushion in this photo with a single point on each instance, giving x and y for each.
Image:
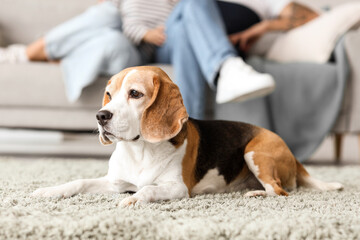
(55, 118)
(41, 85)
(316, 40)
(262, 46)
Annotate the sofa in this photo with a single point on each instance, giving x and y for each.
(32, 95)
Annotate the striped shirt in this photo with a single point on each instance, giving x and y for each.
(139, 16)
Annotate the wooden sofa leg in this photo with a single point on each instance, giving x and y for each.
(359, 145)
(338, 146)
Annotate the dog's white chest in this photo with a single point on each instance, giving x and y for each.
(141, 163)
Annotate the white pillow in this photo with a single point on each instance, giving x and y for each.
(315, 41)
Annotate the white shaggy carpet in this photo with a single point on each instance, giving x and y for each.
(305, 214)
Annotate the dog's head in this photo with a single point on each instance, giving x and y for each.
(141, 103)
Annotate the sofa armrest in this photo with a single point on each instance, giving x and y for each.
(261, 47)
(349, 118)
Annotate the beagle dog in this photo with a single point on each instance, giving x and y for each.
(163, 154)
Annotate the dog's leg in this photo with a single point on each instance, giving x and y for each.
(256, 193)
(98, 185)
(263, 167)
(152, 193)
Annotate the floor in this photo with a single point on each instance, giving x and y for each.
(304, 214)
(52, 143)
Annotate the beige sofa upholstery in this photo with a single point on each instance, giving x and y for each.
(39, 100)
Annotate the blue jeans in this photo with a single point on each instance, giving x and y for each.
(196, 45)
(89, 45)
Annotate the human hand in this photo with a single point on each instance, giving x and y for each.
(155, 36)
(246, 39)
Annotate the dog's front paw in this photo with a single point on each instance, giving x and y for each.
(130, 201)
(54, 192)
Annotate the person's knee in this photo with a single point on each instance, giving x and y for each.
(196, 3)
(106, 12)
(116, 46)
(109, 9)
(192, 7)
(177, 33)
(114, 40)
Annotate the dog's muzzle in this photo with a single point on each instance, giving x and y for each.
(109, 136)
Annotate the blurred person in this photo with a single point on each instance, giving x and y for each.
(193, 36)
(87, 46)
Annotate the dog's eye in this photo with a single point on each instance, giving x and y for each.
(109, 95)
(135, 94)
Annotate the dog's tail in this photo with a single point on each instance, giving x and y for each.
(304, 179)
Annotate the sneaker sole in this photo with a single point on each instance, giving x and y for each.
(256, 94)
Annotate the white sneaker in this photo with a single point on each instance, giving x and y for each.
(239, 82)
(13, 54)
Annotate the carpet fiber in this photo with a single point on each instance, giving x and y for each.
(304, 214)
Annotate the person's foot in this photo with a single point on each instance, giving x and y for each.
(240, 82)
(13, 54)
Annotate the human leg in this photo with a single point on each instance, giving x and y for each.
(66, 37)
(63, 39)
(108, 54)
(237, 18)
(207, 35)
(36, 51)
(216, 56)
(188, 75)
(18, 53)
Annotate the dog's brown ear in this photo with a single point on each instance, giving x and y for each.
(165, 115)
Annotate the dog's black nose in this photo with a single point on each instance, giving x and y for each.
(103, 117)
